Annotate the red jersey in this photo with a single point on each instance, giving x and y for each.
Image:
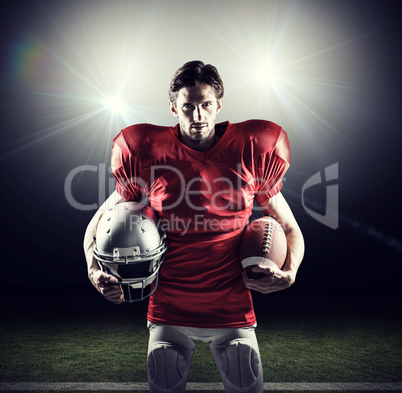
(204, 201)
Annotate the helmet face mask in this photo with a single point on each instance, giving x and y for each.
(130, 246)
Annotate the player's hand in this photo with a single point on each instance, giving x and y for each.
(106, 285)
(274, 279)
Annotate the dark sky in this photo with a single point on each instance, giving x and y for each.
(46, 135)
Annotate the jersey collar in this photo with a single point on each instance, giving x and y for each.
(223, 130)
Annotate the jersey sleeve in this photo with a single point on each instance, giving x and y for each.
(273, 167)
(126, 170)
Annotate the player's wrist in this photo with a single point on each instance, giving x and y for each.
(291, 278)
(290, 275)
(92, 270)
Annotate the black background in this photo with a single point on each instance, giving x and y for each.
(41, 237)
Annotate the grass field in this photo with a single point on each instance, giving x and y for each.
(301, 338)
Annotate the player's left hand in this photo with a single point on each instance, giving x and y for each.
(274, 279)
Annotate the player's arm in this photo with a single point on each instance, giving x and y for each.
(103, 282)
(275, 279)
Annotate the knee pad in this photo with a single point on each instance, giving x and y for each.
(241, 369)
(168, 368)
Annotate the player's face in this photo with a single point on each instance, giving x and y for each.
(196, 108)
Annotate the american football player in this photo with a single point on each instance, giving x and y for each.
(202, 178)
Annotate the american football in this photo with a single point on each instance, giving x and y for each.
(263, 243)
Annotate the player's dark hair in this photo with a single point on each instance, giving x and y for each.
(195, 73)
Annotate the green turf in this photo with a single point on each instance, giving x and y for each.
(297, 345)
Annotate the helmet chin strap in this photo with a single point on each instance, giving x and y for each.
(112, 271)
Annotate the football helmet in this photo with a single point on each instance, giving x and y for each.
(130, 246)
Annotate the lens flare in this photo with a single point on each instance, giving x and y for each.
(115, 104)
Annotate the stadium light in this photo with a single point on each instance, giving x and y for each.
(115, 104)
(266, 74)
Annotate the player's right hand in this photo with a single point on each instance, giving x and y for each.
(106, 286)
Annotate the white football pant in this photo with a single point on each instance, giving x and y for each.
(235, 351)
